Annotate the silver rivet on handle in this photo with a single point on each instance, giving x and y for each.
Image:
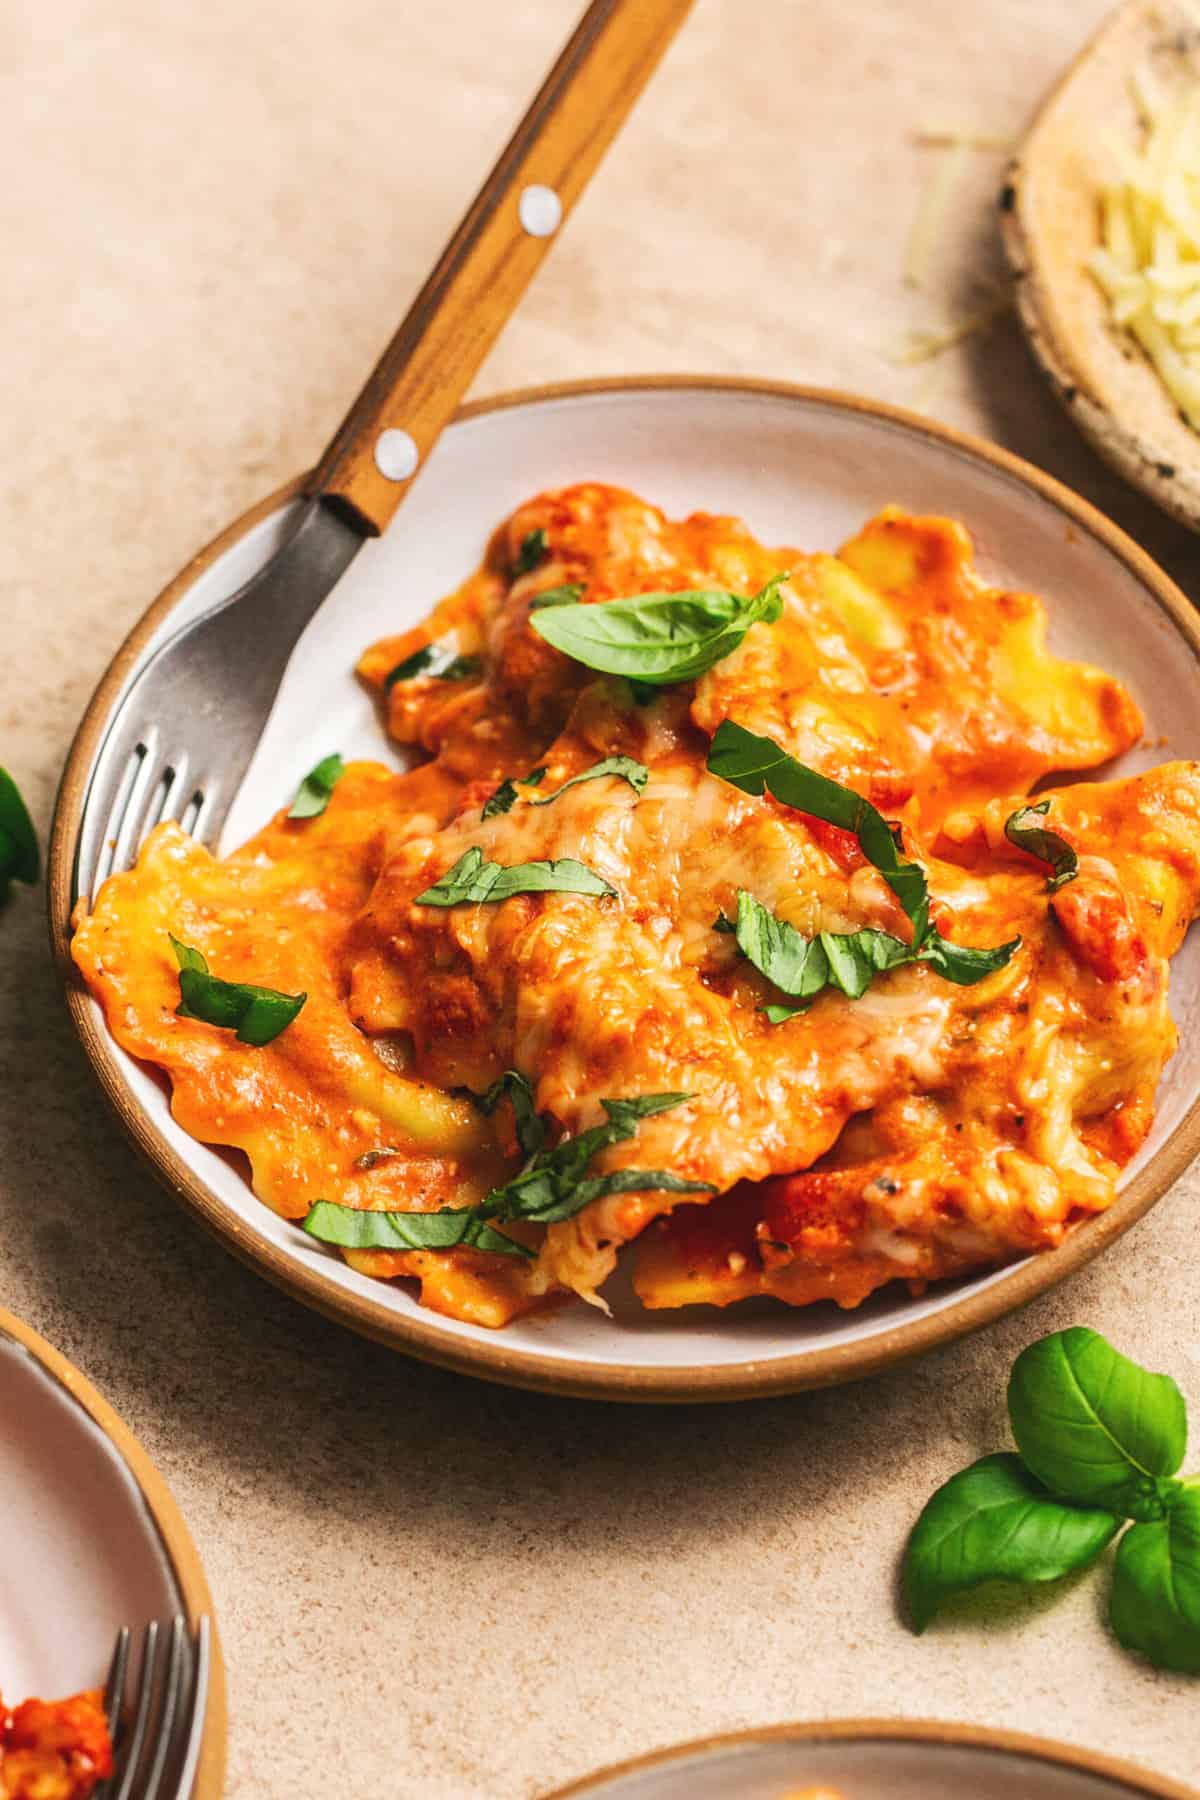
(396, 455)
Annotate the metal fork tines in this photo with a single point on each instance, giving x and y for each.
(183, 733)
(156, 1713)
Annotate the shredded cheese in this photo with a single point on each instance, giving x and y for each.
(945, 136)
(923, 346)
(927, 225)
(1148, 264)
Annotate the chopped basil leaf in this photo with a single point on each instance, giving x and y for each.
(472, 880)
(803, 966)
(504, 798)
(531, 1132)
(724, 925)
(553, 1185)
(258, 1015)
(566, 594)
(439, 661)
(757, 764)
(312, 796)
(19, 858)
(1022, 829)
(535, 547)
(626, 767)
(962, 964)
(657, 639)
(450, 1229)
(779, 1014)
(644, 692)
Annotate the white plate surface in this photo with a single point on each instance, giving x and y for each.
(801, 471)
(80, 1554)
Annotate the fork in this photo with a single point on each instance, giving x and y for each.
(157, 1725)
(185, 728)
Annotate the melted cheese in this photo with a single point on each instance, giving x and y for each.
(919, 1131)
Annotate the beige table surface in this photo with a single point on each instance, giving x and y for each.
(211, 217)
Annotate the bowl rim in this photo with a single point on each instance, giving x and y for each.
(907, 1731)
(424, 1338)
(168, 1521)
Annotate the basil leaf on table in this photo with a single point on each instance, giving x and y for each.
(450, 1229)
(996, 1522)
(658, 639)
(504, 798)
(1094, 1426)
(531, 1132)
(565, 594)
(758, 765)
(535, 547)
(1024, 829)
(19, 857)
(312, 796)
(1155, 1603)
(440, 661)
(257, 1014)
(626, 767)
(474, 881)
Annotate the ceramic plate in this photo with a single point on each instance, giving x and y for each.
(101, 1542)
(800, 467)
(873, 1759)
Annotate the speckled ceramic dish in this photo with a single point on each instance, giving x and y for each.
(100, 1540)
(1050, 222)
(801, 467)
(874, 1759)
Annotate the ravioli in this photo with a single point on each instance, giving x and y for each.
(919, 1131)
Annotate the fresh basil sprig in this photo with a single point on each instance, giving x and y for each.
(627, 768)
(257, 1014)
(1100, 1441)
(474, 881)
(996, 1522)
(535, 548)
(802, 966)
(312, 796)
(1094, 1426)
(1023, 828)
(658, 639)
(441, 661)
(554, 1184)
(19, 858)
(1155, 1607)
(504, 798)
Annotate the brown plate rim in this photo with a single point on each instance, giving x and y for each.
(907, 1731)
(173, 1533)
(822, 1367)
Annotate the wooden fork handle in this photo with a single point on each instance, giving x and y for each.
(488, 263)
